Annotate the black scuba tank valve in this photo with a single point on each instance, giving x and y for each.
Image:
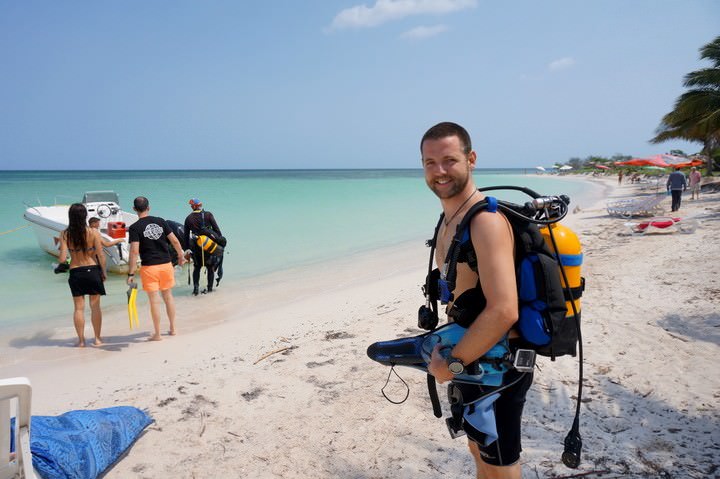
(529, 209)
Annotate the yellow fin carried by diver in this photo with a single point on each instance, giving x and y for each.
(132, 305)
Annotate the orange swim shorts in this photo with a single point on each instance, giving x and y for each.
(157, 277)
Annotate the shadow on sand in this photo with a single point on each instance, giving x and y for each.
(45, 339)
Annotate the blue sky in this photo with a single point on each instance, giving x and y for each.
(338, 84)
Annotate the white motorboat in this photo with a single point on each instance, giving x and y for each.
(49, 221)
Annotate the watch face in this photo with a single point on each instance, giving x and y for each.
(456, 367)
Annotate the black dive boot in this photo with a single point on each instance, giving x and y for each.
(195, 290)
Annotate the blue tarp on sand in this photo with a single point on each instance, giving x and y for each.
(83, 444)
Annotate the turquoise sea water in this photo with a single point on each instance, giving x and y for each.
(273, 220)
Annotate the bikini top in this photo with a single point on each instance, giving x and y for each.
(90, 249)
(78, 250)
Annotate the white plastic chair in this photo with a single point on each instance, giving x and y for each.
(637, 206)
(15, 397)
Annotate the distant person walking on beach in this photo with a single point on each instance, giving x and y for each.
(94, 223)
(695, 182)
(676, 184)
(87, 270)
(620, 175)
(201, 222)
(448, 161)
(149, 237)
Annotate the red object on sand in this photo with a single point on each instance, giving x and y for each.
(664, 223)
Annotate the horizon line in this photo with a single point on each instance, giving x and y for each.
(243, 169)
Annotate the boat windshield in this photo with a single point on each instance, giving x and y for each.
(101, 197)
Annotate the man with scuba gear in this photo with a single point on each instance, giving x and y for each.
(448, 161)
(201, 222)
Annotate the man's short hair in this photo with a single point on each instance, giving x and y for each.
(446, 129)
(94, 219)
(141, 204)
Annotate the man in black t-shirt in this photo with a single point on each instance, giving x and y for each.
(149, 237)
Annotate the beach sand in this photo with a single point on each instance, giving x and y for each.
(273, 381)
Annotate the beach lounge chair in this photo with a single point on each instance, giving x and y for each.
(79, 444)
(15, 458)
(637, 206)
(662, 224)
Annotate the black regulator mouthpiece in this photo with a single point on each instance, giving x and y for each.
(427, 318)
(573, 446)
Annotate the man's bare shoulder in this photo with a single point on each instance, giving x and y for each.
(489, 220)
(488, 228)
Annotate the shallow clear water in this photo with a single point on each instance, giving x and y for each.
(273, 220)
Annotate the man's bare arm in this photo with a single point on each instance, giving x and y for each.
(494, 247)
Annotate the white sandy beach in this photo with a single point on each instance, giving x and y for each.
(314, 410)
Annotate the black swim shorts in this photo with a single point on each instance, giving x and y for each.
(508, 407)
(86, 280)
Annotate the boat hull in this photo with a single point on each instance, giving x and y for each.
(48, 222)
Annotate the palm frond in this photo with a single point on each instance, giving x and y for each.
(707, 77)
(711, 52)
(696, 114)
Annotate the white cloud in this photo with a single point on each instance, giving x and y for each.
(561, 64)
(421, 32)
(362, 16)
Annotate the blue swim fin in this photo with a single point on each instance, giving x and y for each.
(416, 351)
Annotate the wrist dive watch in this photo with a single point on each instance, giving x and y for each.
(455, 365)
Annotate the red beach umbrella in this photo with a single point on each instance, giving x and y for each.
(663, 161)
(602, 167)
(652, 161)
(687, 164)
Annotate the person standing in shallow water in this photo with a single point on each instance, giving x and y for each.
(197, 223)
(94, 223)
(87, 270)
(149, 237)
(448, 161)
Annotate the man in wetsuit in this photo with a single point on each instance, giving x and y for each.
(201, 222)
(448, 161)
(149, 237)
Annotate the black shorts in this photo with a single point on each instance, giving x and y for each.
(86, 280)
(508, 413)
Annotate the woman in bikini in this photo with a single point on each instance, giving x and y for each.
(87, 269)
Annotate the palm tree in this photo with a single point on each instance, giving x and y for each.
(696, 116)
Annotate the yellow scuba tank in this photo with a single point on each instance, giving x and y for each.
(571, 257)
(208, 245)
